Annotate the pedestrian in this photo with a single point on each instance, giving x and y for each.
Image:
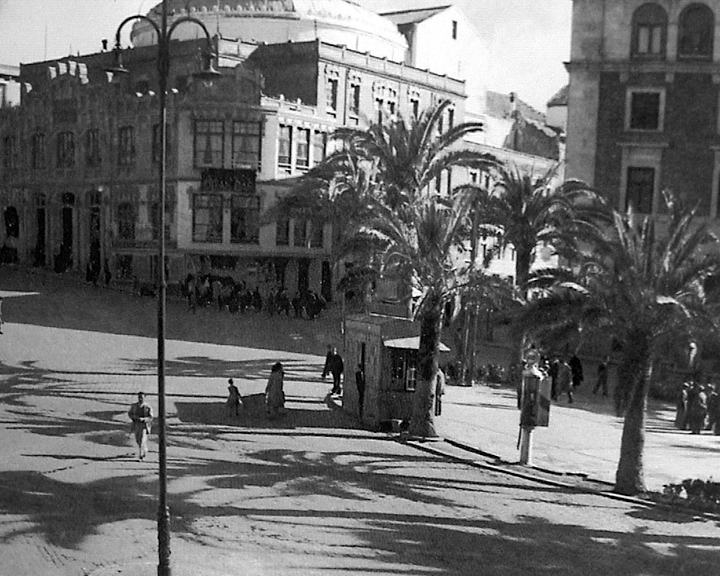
(274, 393)
(334, 365)
(234, 401)
(439, 391)
(552, 373)
(1, 320)
(360, 383)
(564, 380)
(602, 377)
(681, 406)
(713, 409)
(697, 408)
(141, 415)
(577, 371)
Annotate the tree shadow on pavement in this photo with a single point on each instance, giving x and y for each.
(253, 415)
(203, 367)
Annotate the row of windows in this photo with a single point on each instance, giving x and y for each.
(207, 218)
(385, 100)
(300, 147)
(696, 31)
(65, 149)
(245, 139)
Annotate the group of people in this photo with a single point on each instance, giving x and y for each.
(237, 297)
(141, 414)
(698, 408)
(566, 375)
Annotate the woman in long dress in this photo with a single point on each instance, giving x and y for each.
(274, 393)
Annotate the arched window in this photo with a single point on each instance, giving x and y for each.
(649, 29)
(696, 32)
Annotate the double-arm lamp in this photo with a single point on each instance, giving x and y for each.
(164, 33)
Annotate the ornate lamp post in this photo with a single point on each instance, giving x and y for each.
(164, 32)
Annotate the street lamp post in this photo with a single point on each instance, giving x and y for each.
(164, 32)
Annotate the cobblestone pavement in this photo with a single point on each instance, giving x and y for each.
(310, 494)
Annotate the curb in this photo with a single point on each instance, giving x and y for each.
(528, 475)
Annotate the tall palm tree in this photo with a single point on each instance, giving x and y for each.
(642, 287)
(422, 244)
(408, 158)
(528, 212)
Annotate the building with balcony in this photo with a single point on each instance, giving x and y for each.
(80, 153)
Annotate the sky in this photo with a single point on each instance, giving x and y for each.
(528, 39)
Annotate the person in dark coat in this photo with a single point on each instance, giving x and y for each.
(713, 409)
(697, 408)
(602, 377)
(439, 391)
(681, 407)
(234, 401)
(577, 371)
(334, 365)
(360, 383)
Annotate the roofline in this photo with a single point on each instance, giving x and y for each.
(411, 10)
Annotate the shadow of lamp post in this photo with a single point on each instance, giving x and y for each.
(164, 32)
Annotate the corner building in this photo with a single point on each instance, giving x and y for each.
(644, 101)
(80, 154)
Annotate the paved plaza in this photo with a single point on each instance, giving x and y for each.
(311, 494)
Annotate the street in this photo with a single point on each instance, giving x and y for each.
(309, 494)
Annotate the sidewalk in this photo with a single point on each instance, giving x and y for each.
(583, 437)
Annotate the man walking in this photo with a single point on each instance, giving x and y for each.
(141, 415)
(602, 377)
(334, 365)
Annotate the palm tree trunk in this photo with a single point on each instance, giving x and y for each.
(630, 475)
(422, 423)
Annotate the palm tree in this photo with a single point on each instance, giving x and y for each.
(642, 288)
(422, 244)
(528, 212)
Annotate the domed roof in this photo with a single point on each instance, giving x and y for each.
(340, 22)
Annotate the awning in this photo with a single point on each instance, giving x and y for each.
(410, 343)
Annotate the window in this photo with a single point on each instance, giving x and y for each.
(126, 146)
(245, 220)
(126, 221)
(65, 150)
(207, 218)
(403, 371)
(12, 222)
(285, 147)
(332, 95)
(155, 221)
(282, 232)
(645, 110)
(649, 29)
(319, 146)
(37, 151)
(303, 148)
(451, 118)
(415, 106)
(640, 189)
(454, 29)
(10, 153)
(124, 266)
(246, 144)
(301, 230)
(354, 100)
(93, 157)
(696, 30)
(208, 143)
(317, 234)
